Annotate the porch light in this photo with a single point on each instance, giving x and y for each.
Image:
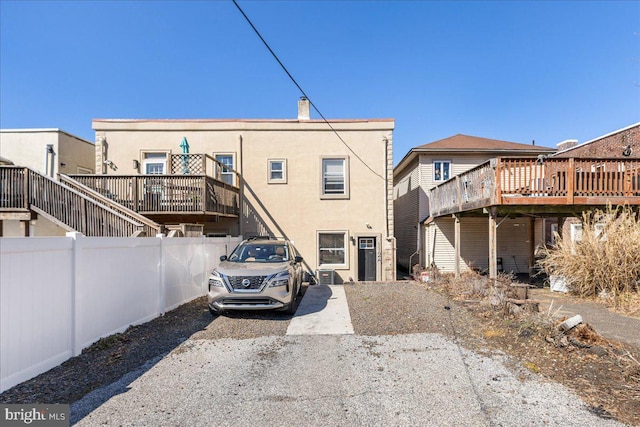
(136, 164)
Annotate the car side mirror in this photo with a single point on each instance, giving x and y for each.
(298, 259)
(223, 258)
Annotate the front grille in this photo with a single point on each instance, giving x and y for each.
(247, 302)
(255, 282)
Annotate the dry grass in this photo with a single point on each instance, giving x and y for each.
(606, 262)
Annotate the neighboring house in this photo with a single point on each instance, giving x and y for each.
(327, 188)
(429, 243)
(493, 215)
(48, 151)
(620, 144)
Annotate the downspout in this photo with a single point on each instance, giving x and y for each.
(241, 186)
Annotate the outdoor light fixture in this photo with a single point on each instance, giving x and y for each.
(136, 164)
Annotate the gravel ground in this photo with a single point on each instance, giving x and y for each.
(403, 308)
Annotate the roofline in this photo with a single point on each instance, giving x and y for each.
(241, 120)
(406, 160)
(597, 139)
(45, 130)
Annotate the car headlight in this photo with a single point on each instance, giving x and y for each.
(215, 279)
(280, 279)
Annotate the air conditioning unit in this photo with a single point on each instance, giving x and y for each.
(325, 277)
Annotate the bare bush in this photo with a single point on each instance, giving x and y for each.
(605, 261)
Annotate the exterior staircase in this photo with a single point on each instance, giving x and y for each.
(67, 204)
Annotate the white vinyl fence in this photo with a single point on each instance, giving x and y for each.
(59, 295)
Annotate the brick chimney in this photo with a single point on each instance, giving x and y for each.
(566, 144)
(303, 109)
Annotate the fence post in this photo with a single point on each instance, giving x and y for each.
(76, 346)
(162, 288)
(571, 176)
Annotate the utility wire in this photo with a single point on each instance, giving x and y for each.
(303, 92)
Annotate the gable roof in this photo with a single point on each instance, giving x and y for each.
(462, 142)
(466, 144)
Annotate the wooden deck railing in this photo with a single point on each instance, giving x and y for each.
(545, 181)
(25, 189)
(150, 228)
(157, 194)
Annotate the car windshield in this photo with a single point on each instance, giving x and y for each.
(255, 252)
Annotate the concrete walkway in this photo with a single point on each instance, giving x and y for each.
(606, 322)
(322, 311)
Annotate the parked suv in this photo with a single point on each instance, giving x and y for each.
(261, 273)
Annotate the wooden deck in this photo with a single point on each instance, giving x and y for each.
(531, 185)
(167, 194)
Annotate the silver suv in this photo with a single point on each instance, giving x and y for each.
(261, 273)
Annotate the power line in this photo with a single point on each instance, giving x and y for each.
(303, 92)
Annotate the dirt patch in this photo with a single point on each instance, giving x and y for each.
(604, 373)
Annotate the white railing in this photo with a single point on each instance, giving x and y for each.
(59, 295)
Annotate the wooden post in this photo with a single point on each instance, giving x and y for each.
(493, 256)
(134, 190)
(571, 183)
(498, 182)
(456, 219)
(532, 247)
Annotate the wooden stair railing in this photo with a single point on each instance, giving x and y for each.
(150, 227)
(24, 188)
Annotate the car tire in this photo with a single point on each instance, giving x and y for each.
(293, 305)
(214, 312)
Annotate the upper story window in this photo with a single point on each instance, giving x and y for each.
(441, 170)
(335, 178)
(277, 171)
(154, 163)
(226, 172)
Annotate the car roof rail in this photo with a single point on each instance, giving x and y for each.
(262, 238)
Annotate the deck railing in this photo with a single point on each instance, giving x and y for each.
(156, 194)
(539, 181)
(23, 189)
(150, 228)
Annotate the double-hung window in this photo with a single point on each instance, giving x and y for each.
(226, 171)
(441, 170)
(277, 173)
(335, 178)
(332, 248)
(154, 163)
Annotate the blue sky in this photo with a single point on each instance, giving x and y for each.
(516, 71)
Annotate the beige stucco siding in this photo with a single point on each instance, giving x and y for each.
(296, 208)
(28, 147)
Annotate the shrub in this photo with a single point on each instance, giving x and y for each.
(606, 260)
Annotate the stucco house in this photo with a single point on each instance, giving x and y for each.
(48, 151)
(327, 187)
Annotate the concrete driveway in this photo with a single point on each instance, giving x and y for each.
(321, 373)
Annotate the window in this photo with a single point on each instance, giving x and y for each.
(277, 171)
(226, 173)
(441, 170)
(335, 178)
(332, 248)
(154, 163)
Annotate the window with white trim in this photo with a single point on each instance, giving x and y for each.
(441, 170)
(277, 173)
(154, 163)
(335, 177)
(332, 248)
(226, 171)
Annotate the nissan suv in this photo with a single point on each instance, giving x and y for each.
(261, 273)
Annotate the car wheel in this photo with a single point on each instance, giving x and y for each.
(293, 305)
(214, 312)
